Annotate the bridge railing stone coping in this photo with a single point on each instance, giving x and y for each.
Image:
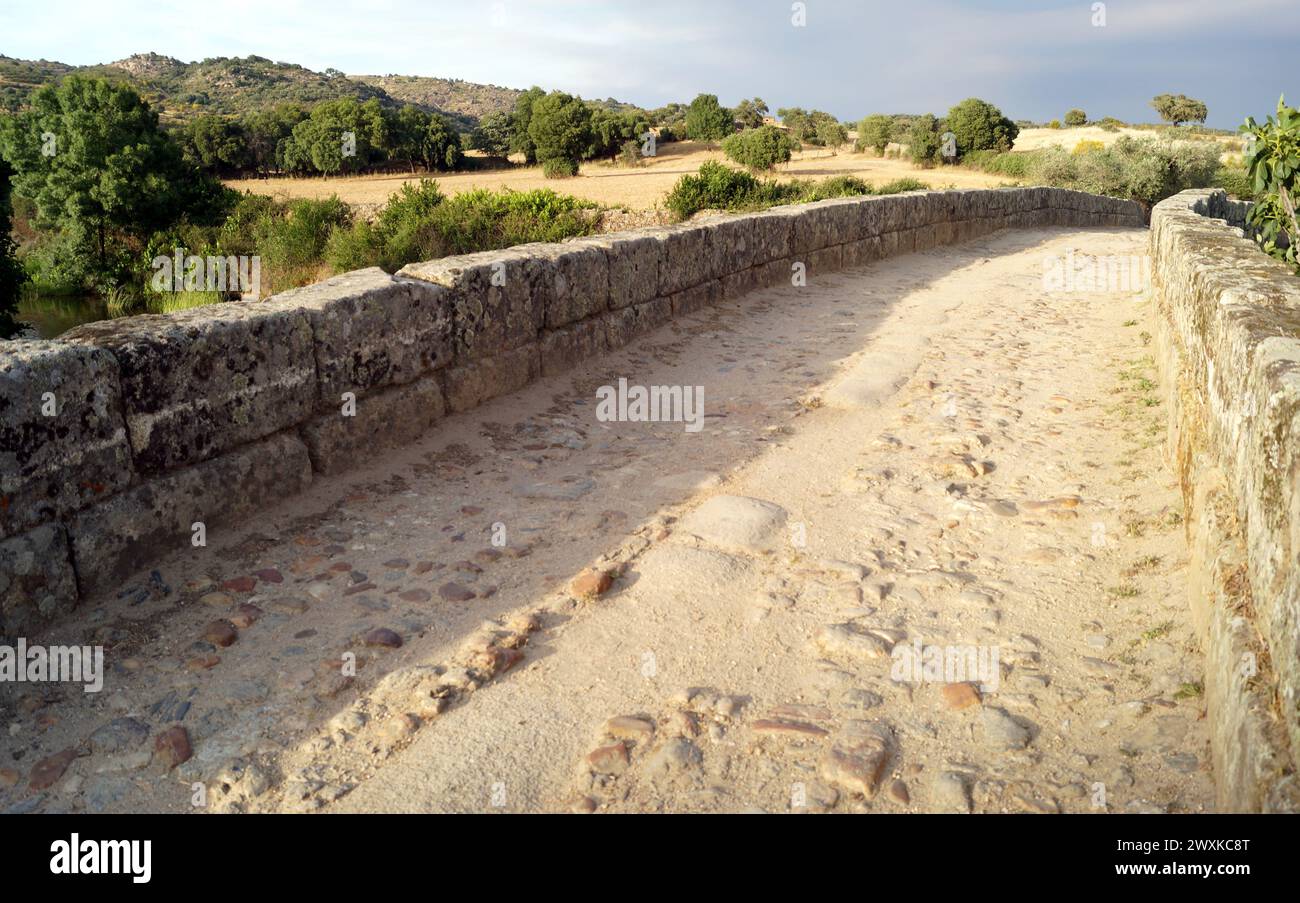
(120, 436)
(1228, 345)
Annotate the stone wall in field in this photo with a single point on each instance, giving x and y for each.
(117, 439)
(1228, 340)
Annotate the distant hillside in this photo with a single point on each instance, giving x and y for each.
(449, 94)
(232, 85)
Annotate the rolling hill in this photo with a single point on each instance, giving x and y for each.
(234, 85)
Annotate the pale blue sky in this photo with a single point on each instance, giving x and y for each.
(1034, 59)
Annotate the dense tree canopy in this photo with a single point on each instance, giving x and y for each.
(11, 274)
(90, 156)
(708, 120)
(1179, 108)
(560, 130)
(760, 148)
(978, 125)
(875, 132)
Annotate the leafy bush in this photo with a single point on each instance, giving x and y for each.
(12, 275)
(1075, 118)
(875, 132)
(420, 223)
(292, 242)
(1144, 170)
(1179, 108)
(1273, 164)
(1236, 181)
(560, 129)
(115, 176)
(713, 187)
(831, 134)
(719, 187)
(979, 125)
(924, 142)
(560, 169)
(1087, 147)
(707, 120)
(1014, 165)
(630, 154)
(760, 148)
(1054, 124)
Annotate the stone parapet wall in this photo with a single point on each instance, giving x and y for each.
(120, 437)
(1228, 342)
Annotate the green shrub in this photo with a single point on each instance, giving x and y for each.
(714, 187)
(875, 132)
(12, 275)
(1273, 164)
(420, 223)
(1144, 170)
(630, 154)
(831, 134)
(898, 186)
(761, 148)
(1054, 124)
(1236, 181)
(561, 134)
(1014, 164)
(924, 141)
(1075, 118)
(835, 187)
(559, 169)
(979, 125)
(707, 120)
(718, 187)
(292, 247)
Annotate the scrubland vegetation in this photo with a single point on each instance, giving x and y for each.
(95, 184)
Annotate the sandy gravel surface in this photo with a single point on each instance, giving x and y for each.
(933, 453)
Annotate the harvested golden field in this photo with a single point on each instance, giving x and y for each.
(640, 188)
(1036, 139)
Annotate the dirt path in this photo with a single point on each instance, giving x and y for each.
(932, 455)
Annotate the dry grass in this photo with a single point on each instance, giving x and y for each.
(641, 188)
(1034, 139)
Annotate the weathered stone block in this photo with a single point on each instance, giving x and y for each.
(925, 237)
(129, 532)
(622, 326)
(825, 261)
(777, 272)
(737, 285)
(701, 296)
(498, 299)
(773, 235)
(466, 387)
(203, 381)
(731, 243)
(688, 257)
(581, 286)
(384, 419)
(817, 226)
(371, 330)
(633, 266)
(563, 349)
(37, 582)
(862, 252)
(65, 449)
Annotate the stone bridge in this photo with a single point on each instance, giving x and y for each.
(258, 510)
